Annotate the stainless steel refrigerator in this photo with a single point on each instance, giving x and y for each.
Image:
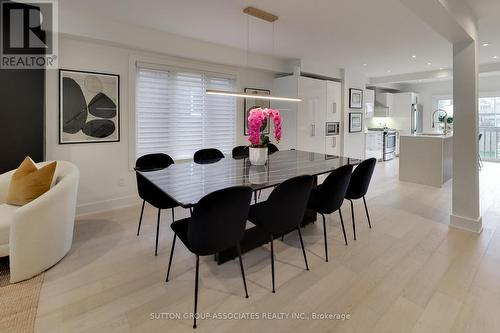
(417, 118)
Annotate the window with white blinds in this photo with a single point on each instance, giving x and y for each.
(176, 117)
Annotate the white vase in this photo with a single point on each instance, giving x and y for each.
(258, 156)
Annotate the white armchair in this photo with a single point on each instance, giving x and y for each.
(39, 234)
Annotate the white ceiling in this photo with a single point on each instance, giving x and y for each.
(383, 34)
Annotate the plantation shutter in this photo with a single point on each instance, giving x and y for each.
(176, 117)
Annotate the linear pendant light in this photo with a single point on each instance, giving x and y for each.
(269, 18)
(244, 95)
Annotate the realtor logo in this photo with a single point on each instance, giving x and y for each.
(28, 34)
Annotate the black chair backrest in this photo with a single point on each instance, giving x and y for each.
(208, 155)
(334, 188)
(153, 161)
(218, 220)
(148, 191)
(360, 179)
(240, 151)
(271, 148)
(286, 205)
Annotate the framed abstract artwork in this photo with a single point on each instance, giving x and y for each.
(89, 107)
(355, 98)
(252, 103)
(355, 122)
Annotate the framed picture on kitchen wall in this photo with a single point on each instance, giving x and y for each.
(355, 98)
(89, 107)
(252, 103)
(355, 122)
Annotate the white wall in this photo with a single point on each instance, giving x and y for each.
(353, 143)
(107, 180)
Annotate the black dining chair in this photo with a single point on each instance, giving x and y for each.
(150, 193)
(216, 224)
(207, 155)
(283, 212)
(358, 186)
(239, 152)
(329, 196)
(272, 148)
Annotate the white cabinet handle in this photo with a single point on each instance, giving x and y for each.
(313, 130)
(334, 142)
(334, 107)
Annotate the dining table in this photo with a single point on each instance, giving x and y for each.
(187, 182)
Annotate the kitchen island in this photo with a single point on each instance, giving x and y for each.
(426, 159)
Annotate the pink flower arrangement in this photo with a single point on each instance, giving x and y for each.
(256, 119)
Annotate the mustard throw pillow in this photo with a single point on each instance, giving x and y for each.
(28, 182)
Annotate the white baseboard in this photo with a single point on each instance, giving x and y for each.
(106, 205)
(465, 223)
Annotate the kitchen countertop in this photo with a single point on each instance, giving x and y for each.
(428, 135)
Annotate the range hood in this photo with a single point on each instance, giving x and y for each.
(383, 104)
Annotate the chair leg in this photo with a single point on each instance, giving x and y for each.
(353, 221)
(157, 232)
(196, 289)
(367, 215)
(303, 249)
(342, 223)
(255, 197)
(324, 235)
(140, 219)
(171, 256)
(242, 270)
(260, 191)
(272, 261)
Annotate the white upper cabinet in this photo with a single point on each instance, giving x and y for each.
(369, 103)
(333, 101)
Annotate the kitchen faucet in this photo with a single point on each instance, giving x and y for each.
(445, 119)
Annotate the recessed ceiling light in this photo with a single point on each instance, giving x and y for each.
(413, 56)
(429, 63)
(441, 68)
(486, 44)
(388, 71)
(364, 65)
(495, 57)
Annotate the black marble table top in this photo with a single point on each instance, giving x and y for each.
(188, 182)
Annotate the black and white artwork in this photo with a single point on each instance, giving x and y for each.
(355, 122)
(355, 98)
(89, 108)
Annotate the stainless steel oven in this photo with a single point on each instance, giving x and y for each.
(389, 150)
(332, 128)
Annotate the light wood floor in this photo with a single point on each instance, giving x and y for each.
(410, 273)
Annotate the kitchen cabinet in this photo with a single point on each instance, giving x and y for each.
(369, 103)
(321, 104)
(374, 144)
(311, 116)
(332, 145)
(333, 101)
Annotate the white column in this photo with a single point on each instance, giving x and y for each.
(466, 212)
